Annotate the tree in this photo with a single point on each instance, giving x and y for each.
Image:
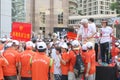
(115, 6)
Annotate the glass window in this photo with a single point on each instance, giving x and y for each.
(42, 14)
(101, 12)
(60, 18)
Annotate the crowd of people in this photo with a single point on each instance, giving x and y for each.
(56, 60)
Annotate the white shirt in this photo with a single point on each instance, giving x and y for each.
(106, 31)
(87, 32)
(93, 26)
(97, 37)
(57, 69)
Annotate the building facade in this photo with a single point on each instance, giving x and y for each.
(95, 7)
(5, 17)
(47, 16)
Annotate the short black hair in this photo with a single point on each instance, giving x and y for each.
(90, 48)
(91, 19)
(58, 49)
(41, 50)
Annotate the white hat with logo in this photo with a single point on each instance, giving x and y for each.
(29, 43)
(89, 44)
(16, 42)
(64, 45)
(41, 45)
(75, 43)
(84, 21)
(84, 47)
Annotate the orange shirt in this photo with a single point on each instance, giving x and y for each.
(40, 66)
(11, 55)
(25, 63)
(65, 68)
(86, 59)
(92, 62)
(2, 63)
(1, 46)
(72, 56)
(72, 60)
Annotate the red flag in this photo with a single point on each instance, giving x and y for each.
(21, 31)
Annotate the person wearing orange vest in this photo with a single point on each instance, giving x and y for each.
(64, 58)
(10, 71)
(91, 52)
(41, 63)
(3, 62)
(24, 63)
(72, 54)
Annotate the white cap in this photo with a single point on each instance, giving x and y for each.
(3, 39)
(84, 21)
(64, 45)
(16, 42)
(84, 47)
(75, 43)
(116, 43)
(41, 45)
(89, 44)
(29, 43)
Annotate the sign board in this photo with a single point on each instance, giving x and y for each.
(21, 31)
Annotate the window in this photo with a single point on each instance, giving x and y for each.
(42, 14)
(101, 2)
(107, 12)
(95, 12)
(101, 12)
(90, 4)
(101, 7)
(89, 13)
(112, 0)
(112, 12)
(43, 30)
(84, 6)
(89, 9)
(89, 1)
(60, 18)
(95, 3)
(84, 10)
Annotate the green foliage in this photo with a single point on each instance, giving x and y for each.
(115, 6)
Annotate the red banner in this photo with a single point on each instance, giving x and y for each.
(21, 31)
(71, 35)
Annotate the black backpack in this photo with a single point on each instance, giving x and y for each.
(79, 65)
